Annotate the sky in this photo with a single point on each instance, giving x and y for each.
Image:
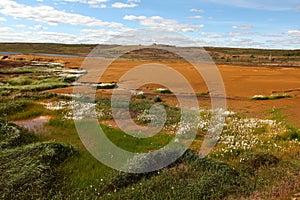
(272, 24)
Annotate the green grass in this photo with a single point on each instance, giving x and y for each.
(28, 70)
(139, 145)
(118, 137)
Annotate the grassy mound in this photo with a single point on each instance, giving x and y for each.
(190, 177)
(12, 135)
(28, 171)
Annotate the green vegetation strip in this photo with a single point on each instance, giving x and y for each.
(272, 97)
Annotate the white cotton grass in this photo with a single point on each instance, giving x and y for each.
(75, 110)
(239, 134)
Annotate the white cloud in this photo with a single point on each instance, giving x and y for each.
(2, 19)
(239, 33)
(152, 35)
(20, 26)
(5, 30)
(99, 6)
(38, 27)
(188, 30)
(87, 1)
(133, 17)
(295, 33)
(197, 10)
(49, 15)
(212, 35)
(293, 41)
(100, 36)
(259, 4)
(135, 1)
(91, 3)
(124, 5)
(243, 27)
(195, 17)
(162, 23)
(245, 42)
(270, 35)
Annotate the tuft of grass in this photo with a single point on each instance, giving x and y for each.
(202, 94)
(272, 97)
(105, 86)
(139, 106)
(163, 91)
(61, 123)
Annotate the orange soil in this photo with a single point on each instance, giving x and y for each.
(241, 83)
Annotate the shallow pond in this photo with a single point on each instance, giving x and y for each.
(35, 124)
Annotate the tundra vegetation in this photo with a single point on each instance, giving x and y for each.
(253, 158)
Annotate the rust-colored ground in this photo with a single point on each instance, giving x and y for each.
(241, 83)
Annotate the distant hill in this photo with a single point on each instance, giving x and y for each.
(221, 55)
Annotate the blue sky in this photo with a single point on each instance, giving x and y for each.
(231, 23)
